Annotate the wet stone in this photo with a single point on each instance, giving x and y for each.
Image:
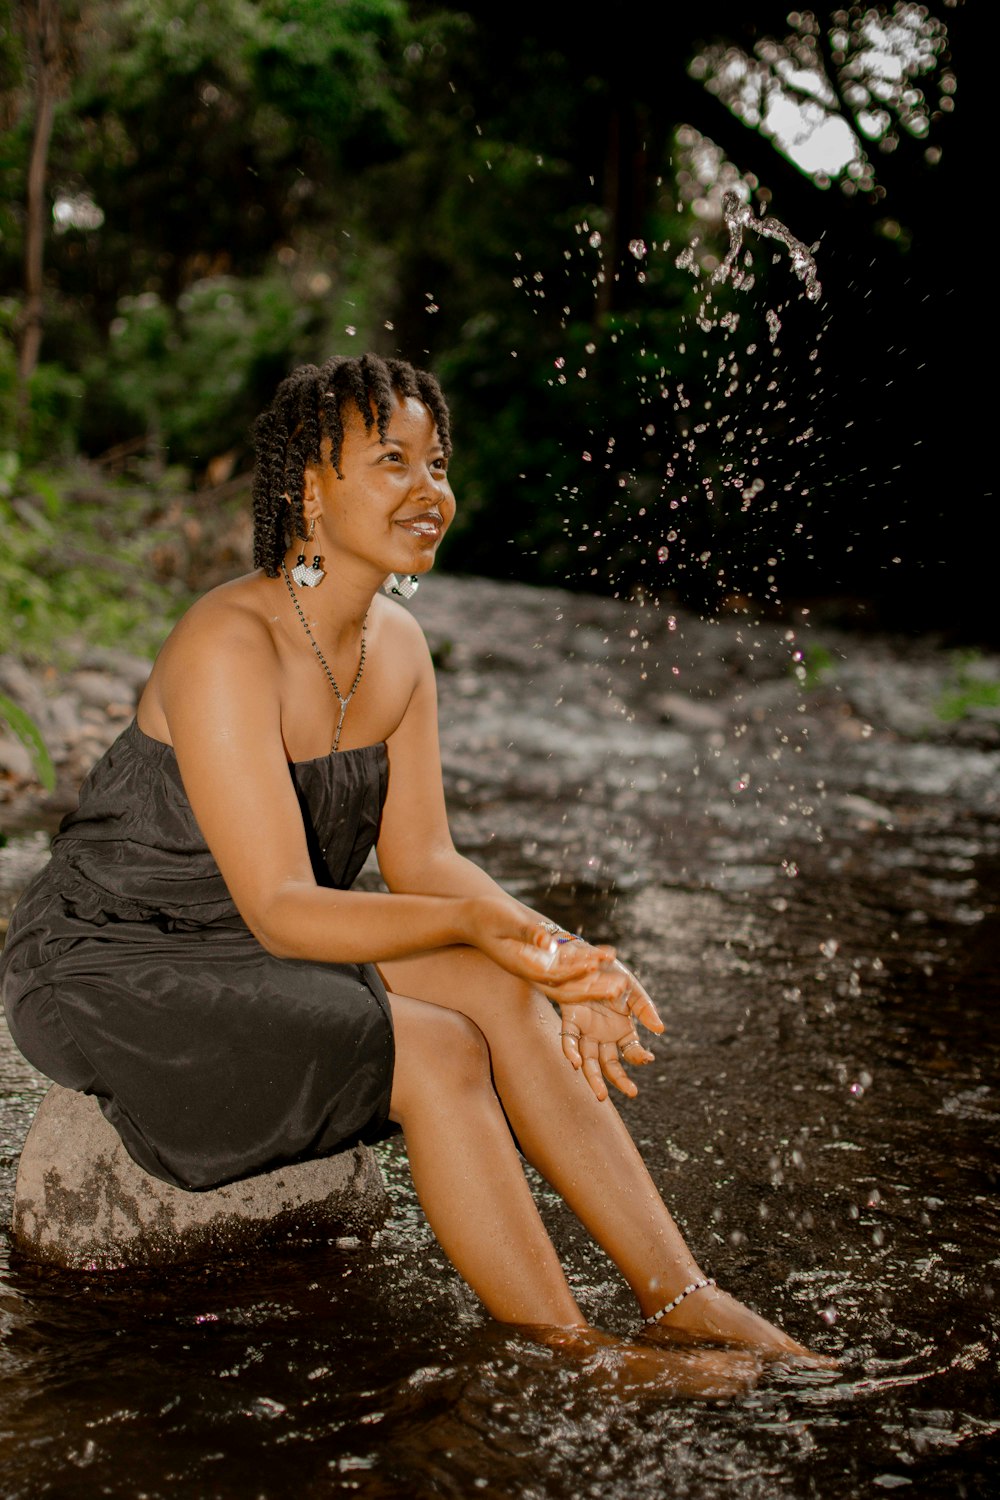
(81, 1203)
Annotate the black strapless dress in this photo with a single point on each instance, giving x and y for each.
(128, 973)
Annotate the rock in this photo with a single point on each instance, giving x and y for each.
(863, 812)
(134, 669)
(99, 689)
(14, 759)
(22, 685)
(690, 713)
(82, 1203)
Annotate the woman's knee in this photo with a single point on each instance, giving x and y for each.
(438, 1051)
(459, 1046)
(495, 996)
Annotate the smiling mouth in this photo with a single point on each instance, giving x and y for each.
(429, 523)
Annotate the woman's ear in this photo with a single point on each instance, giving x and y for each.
(312, 503)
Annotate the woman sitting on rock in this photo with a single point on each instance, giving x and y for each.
(195, 956)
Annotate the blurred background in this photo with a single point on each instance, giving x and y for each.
(199, 194)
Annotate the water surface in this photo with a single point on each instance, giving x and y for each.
(809, 883)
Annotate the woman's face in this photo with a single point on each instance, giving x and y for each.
(394, 503)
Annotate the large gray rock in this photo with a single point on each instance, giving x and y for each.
(82, 1203)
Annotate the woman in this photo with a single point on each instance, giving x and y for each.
(195, 957)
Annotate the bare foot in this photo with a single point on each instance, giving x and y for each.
(628, 1370)
(711, 1316)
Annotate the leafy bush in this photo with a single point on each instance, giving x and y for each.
(188, 378)
(50, 427)
(79, 564)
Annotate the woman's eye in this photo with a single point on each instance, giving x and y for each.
(395, 457)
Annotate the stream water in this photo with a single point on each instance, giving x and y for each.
(803, 862)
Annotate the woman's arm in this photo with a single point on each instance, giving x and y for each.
(219, 689)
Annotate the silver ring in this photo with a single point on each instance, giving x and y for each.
(633, 1041)
(576, 1035)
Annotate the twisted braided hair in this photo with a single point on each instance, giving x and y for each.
(308, 406)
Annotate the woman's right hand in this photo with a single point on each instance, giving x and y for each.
(516, 940)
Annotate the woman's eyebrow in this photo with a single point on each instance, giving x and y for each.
(378, 442)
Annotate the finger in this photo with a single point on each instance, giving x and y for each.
(638, 1002)
(642, 1008)
(613, 1071)
(592, 1067)
(546, 965)
(633, 1052)
(604, 985)
(570, 962)
(571, 1045)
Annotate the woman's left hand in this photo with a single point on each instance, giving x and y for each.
(598, 1038)
(601, 1001)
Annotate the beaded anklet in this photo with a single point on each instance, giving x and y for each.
(695, 1286)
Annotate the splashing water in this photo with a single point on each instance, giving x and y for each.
(739, 216)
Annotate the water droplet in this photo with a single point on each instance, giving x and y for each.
(662, 553)
(638, 248)
(350, 330)
(595, 239)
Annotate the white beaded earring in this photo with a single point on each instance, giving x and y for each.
(401, 588)
(307, 576)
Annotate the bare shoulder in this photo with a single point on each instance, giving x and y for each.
(223, 640)
(231, 619)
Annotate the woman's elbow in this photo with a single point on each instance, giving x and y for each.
(270, 924)
(416, 873)
(270, 938)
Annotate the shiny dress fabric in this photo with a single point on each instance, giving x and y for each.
(129, 974)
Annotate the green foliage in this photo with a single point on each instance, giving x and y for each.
(51, 427)
(28, 733)
(188, 377)
(241, 185)
(974, 686)
(79, 565)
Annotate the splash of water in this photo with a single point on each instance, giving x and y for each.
(739, 216)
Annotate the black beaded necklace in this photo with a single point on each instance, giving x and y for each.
(344, 702)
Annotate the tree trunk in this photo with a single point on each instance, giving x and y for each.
(43, 38)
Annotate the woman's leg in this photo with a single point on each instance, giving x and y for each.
(578, 1143)
(466, 1170)
(470, 1182)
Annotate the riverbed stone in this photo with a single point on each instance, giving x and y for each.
(82, 1203)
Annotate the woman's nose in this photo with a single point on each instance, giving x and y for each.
(428, 481)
